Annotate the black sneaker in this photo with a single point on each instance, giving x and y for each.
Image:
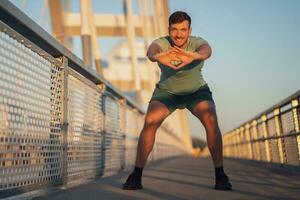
(133, 182)
(222, 183)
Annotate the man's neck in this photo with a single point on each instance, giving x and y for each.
(184, 46)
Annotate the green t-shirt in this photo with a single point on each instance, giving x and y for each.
(187, 79)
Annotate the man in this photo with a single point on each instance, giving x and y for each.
(180, 57)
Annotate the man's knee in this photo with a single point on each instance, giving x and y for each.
(151, 121)
(210, 121)
(210, 118)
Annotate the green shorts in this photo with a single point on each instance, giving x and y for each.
(173, 102)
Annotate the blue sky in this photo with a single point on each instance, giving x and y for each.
(256, 50)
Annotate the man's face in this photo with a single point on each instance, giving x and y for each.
(180, 33)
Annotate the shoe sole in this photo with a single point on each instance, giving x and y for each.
(224, 189)
(132, 188)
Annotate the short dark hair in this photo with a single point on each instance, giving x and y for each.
(179, 16)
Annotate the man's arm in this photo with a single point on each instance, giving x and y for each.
(155, 54)
(203, 52)
(152, 51)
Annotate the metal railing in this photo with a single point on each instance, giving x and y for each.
(272, 136)
(59, 121)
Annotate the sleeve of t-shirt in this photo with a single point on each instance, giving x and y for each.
(161, 42)
(199, 42)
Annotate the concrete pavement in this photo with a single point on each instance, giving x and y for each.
(184, 178)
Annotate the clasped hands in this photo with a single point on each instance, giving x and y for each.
(176, 58)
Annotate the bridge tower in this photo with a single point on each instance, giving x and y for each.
(133, 72)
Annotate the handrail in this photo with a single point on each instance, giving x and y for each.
(270, 109)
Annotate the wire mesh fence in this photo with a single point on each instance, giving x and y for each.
(58, 126)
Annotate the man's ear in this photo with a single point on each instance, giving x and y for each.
(190, 31)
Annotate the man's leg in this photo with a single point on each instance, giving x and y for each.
(205, 111)
(157, 112)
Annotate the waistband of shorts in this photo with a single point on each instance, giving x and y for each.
(205, 86)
